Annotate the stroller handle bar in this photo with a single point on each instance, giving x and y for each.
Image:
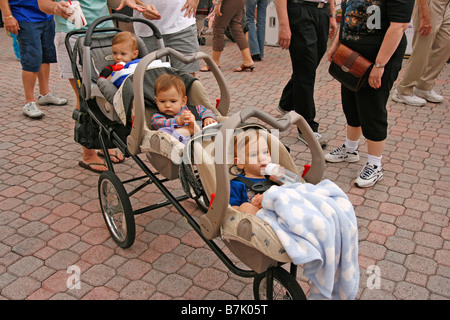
(87, 86)
(211, 222)
(118, 17)
(137, 130)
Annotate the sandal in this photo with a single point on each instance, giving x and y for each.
(206, 69)
(243, 67)
(89, 166)
(114, 155)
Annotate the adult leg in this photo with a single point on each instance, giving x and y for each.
(43, 79)
(261, 25)
(304, 55)
(29, 81)
(440, 50)
(47, 37)
(418, 60)
(238, 34)
(250, 6)
(90, 157)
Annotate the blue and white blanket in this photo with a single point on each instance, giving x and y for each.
(316, 225)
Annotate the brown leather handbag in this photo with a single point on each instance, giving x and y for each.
(350, 68)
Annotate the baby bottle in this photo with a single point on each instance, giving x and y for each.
(281, 175)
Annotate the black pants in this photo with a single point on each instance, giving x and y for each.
(309, 27)
(367, 107)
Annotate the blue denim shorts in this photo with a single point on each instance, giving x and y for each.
(36, 44)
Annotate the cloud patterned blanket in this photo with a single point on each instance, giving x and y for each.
(316, 225)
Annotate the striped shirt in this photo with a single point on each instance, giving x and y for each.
(160, 120)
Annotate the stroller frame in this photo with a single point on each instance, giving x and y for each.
(275, 275)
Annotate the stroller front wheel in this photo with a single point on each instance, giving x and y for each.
(116, 209)
(277, 284)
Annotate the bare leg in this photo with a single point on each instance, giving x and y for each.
(43, 78)
(89, 155)
(29, 81)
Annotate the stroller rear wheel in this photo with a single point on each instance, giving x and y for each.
(116, 209)
(277, 284)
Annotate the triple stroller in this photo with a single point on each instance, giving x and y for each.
(121, 118)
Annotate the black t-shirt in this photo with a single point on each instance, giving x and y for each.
(367, 21)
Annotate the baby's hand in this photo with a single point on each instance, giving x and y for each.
(256, 200)
(184, 118)
(208, 121)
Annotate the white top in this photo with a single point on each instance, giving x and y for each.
(172, 19)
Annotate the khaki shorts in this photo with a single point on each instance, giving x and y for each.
(64, 64)
(184, 41)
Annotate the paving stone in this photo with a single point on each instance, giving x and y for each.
(409, 291)
(25, 266)
(20, 288)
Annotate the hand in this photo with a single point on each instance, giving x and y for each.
(217, 9)
(191, 8)
(332, 50)
(60, 9)
(257, 200)
(208, 121)
(284, 37)
(11, 25)
(425, 26)
(375, 77)
(185, 117)
(130, 3)
(151, 13)
(333, 28)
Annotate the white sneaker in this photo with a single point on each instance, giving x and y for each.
(342, 155)
(369, 175)
(31, 110)
(50, 98)
(431, 95)
(322, 141)
(411, 100)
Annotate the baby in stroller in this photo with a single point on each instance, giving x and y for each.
(124, 52)
(251, 156)
(174, 116)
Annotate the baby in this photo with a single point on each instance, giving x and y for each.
(124, 52)
(174, 116)
(251, 156)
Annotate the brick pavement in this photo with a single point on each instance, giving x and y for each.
(50, 216)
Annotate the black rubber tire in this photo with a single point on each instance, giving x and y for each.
(285, 286)
(116, 209)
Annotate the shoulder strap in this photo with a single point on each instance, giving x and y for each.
(248, 183)
(343, 9)
(258, 187)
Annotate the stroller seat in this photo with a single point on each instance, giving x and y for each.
(99, 55)
(162, 149)
(250, 239)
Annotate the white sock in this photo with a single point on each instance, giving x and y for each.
(351, 146)
(374, 160)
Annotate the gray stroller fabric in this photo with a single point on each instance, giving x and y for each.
(109, 90)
